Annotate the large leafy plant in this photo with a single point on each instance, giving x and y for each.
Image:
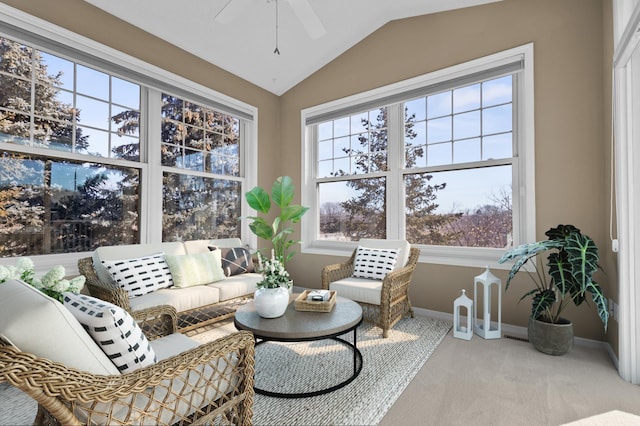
(278, 232)
(572, 260)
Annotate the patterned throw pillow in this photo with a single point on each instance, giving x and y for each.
(195, 269)
(140, 275)
(374, 263)
(236, 260)
(114, 330)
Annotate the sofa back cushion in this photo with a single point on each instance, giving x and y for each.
(128, 251)
(37, 324)
(114, 330)
(201, 246)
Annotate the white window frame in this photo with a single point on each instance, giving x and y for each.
(151, 225)
(626, 155)
(523, 165)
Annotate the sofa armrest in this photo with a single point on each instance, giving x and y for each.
(158, 321)
(108, 292)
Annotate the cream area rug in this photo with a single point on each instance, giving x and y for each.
(388, 366)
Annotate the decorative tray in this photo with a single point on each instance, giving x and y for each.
(302, 304)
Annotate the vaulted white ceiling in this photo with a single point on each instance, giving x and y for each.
(242, 39)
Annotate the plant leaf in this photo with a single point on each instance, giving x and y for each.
(261, 228)
(561, 232)
(600, 301)
(282, 191)
(541, 302)
(560, 272)
(258, 199)
(293, 213)
(523, 253)
(582, 254)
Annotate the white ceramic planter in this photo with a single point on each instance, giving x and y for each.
(271, 302)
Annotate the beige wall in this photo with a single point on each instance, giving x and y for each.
(571, 170)
(570, 84)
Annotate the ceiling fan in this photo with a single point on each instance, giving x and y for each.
(234, 8)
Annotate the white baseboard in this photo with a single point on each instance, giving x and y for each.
(521, 332)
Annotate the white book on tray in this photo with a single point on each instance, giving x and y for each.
(318, 295)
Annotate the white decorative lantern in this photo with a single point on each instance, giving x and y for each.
(460, 331)
(484, 326)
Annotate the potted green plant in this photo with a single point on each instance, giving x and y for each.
(272, 297)
(572, 259)
(278, 232)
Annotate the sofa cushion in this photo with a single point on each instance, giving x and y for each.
(195, 269)
(128, 251)
(358, 289)
(140, 275)
(235, 260)
(374, 263)
(201, 246)
(40, 325)
(114, 330)
(182, 299)
(237, 285)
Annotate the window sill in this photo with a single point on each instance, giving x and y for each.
(450, 256)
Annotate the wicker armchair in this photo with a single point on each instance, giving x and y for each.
(394, 296)
(210, 384)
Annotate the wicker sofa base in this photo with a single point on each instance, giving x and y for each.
(210, 314)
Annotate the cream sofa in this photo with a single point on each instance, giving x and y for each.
(48, 353)
(196, 305)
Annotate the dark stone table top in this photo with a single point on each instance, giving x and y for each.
(300, 325)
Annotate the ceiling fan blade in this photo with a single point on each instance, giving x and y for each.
(308, 17)
(232, 10)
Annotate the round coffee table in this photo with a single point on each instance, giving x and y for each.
(301, 326)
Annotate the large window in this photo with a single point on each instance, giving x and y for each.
(96, 153)
(199, 139)
(439, 162)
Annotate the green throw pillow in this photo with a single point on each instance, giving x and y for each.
(195, 269)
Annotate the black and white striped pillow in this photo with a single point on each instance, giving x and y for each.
(374, 263)
(140, 275)
(114, 330)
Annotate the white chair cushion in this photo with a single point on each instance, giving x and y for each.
(114, 330)
(403, 245)
(171, 345)
(129, 251)
(183, 299)
(374, 263)
(140, 275)
(38, 324)
(237, 285)
(358, 289)
(189, 270)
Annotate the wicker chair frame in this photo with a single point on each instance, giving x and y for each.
(187, 320)
(394, 300)
(66, 396)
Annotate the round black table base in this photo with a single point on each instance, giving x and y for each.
(356, 371)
